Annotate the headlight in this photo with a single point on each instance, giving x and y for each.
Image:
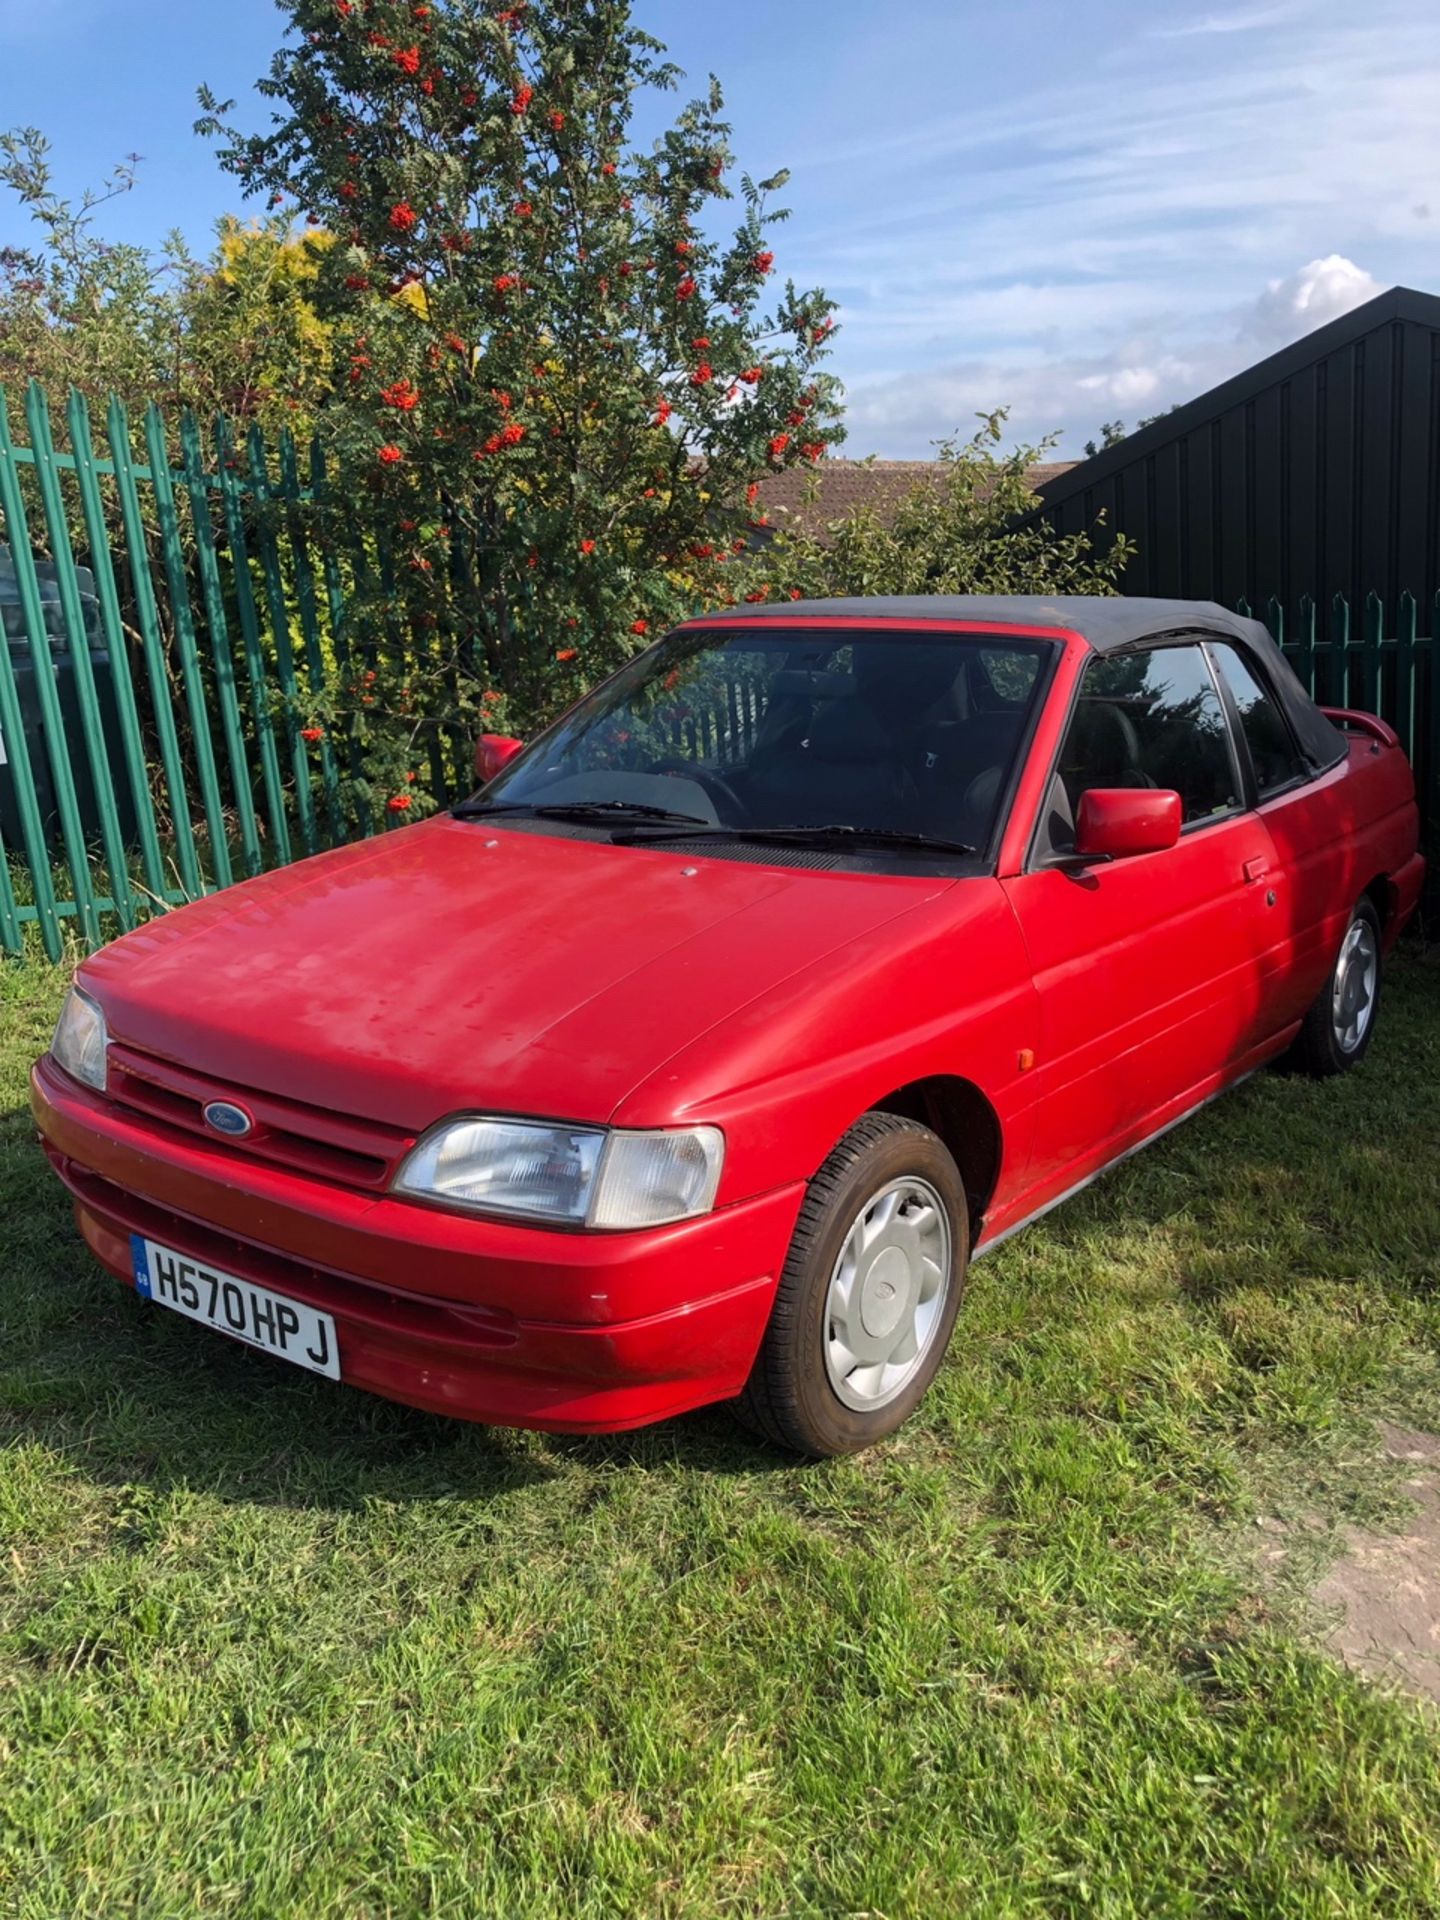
(80, 1039)
(507, 1166)
(585, 1176)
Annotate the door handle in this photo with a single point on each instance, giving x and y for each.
(1255, 869)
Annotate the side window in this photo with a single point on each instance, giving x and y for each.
(1151, 719)
(1267, 734)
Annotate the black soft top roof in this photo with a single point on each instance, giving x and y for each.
(1107, 623)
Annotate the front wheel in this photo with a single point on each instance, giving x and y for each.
(1338, 1028)
(868, 1298)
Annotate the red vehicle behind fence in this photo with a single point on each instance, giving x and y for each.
(695, 1056)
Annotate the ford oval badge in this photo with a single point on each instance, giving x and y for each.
(225, 1117)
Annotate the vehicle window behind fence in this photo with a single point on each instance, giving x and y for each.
(707, 705)
(1273, 752)
(912, 733)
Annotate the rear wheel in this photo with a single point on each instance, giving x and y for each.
(1338, 1028)
(868, 1298)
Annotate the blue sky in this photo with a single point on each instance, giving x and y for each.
(1078, 211)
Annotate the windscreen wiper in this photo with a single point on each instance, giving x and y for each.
(577, 810)
(835, 834)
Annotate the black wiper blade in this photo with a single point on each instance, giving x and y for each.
(578, 810)
(803, 835)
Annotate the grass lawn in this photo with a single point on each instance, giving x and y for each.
(272, 1648)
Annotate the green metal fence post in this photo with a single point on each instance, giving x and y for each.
(404, 649)
(221, 657)
(32, 828)
(1305, 659)
(132, 741)
(1275, 620)
(42, 444)
(280, 635)
(228, 462)
(11, 939)
(365, 590)
(151, 638)
(1370, 658)
(309, 622)
(1405, 674)
(27, 582)
(394, 640)
(27, 804)
(185, 644)
(339, 621)
(1340, 654)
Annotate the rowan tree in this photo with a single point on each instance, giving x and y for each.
(564, 376)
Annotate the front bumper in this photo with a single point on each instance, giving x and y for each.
(514, 1325)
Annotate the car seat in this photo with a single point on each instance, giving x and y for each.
(846, 769)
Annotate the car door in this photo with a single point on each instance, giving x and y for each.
(1148, 968)
(1312, 834)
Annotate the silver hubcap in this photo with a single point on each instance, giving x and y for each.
(887, 1293)
(1352, 998)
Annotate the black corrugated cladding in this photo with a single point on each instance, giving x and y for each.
(1316, 471)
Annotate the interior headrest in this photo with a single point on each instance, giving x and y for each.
(906, 677)
(846, 731)
(1102, 738)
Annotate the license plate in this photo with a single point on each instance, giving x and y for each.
(238, 1307)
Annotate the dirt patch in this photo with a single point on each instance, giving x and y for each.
(1388, 1585)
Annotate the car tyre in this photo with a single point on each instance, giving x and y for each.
(1338, 1028)
(873, 1277)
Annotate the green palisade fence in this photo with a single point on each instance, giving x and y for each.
(172, 608)
(1380, 663)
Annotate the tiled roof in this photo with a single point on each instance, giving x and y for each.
(840, 487)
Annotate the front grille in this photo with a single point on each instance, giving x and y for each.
(329, 1146)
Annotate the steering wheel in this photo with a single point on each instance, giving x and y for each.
(715, 784)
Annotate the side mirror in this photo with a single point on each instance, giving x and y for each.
(1114, 821)
(492, 752)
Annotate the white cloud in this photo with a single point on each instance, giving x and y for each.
(1127, 386)
(1129, 238)
(1302, 301)
(901, 414)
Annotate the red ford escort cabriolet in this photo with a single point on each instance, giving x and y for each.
(694, 1057)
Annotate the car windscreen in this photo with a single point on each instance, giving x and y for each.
(913, 732)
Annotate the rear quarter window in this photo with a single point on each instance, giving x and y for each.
(1273, 753)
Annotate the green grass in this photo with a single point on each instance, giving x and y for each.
(272, 1648)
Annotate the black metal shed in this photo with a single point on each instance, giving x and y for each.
(1316, 471)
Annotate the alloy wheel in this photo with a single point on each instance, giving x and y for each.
(887, 1293)
(1352, 996)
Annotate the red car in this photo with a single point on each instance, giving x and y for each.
(695, 1056)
